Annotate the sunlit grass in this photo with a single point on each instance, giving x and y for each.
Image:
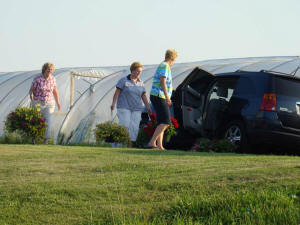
(92, 185)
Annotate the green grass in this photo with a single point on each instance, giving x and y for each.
(91, 185)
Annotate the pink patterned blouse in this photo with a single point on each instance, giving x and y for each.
(43, 89)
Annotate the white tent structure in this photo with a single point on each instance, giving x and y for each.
(86, 93)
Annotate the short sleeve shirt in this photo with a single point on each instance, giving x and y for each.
(163, 70)
(131, 93)
(43, 89)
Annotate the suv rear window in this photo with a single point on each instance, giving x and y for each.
(287, 86)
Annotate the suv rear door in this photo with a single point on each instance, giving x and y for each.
(288, 102)
(190, 97)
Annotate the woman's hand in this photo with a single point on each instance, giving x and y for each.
(112, 107)
(31, 92)
(149, 111)
(169, 102)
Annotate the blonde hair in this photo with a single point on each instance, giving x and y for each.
(46, 66)
(135, 65)
(171, 54)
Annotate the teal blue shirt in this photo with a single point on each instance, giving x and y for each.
(163, 70)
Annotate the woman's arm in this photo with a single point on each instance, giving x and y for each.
(31, 90)
(164, 88)
(55, 94)
(115, 98)
(146, 103)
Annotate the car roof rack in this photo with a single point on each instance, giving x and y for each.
(280, 73)
(241, 71)
(275, 72)
(291, 74)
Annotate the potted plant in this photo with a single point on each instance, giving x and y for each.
(146, 132)
(27, 121)
(111, 133)
(207, 145)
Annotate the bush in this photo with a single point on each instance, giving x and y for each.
(206, 145)
(15, 137)
(28, 122)
(111, 132)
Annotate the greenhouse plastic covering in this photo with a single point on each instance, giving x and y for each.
(93, 96)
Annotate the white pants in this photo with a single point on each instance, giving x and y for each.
(47, 108)
(130, 120)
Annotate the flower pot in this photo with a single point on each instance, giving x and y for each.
(116, 145)
(167, 138)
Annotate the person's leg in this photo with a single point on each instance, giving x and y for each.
(160, 139)
(158, 136)
(163, 119)
(124, 117)
(135, 120)
(47, 114)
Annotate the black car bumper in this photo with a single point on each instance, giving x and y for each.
(269, 131)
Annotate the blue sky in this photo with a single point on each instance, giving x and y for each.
(73, 33)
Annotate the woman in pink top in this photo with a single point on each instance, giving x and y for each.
(42, 91)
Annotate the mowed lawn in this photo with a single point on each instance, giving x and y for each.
(93, 185)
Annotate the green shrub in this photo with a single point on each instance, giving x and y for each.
(207, 145)
(16, 137)
(142, 139)
(27, 121)
(111, 132)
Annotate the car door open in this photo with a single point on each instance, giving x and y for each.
(190, 96)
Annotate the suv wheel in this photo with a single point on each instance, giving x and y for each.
(235, 132)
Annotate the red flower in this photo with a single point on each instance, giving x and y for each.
(153, 116)
(149, 131)
(174, 122)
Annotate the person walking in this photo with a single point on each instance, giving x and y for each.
(129, 95)
(42, 91)
(160, 97)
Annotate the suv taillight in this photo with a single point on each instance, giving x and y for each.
(268, 102)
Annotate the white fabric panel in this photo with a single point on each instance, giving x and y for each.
(76, 124)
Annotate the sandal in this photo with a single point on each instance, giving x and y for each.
(151, 147)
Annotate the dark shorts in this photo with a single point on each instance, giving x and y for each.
(162, 110)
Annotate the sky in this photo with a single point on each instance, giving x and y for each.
(90, 33)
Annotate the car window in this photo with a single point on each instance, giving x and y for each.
(200, 85)
(223, 89)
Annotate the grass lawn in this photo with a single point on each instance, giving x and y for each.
(92, 185)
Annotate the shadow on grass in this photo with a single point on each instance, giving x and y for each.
(177, 152)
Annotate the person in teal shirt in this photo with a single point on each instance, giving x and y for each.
(160, 97)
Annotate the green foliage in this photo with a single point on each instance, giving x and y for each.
(16, 137)
(142, 139)
(207, 145)
(111, 132)
(28, 121)
(170, 131)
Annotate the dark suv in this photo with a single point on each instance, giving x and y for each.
(244, 107)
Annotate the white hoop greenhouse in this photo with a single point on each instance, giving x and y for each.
(86, 93)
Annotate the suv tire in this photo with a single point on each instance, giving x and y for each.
(235, 132)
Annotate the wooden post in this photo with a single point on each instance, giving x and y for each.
(72, 89)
